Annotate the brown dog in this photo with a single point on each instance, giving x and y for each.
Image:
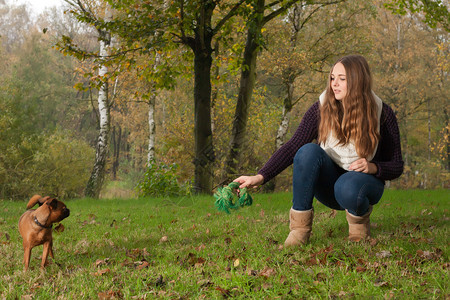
(35, 226)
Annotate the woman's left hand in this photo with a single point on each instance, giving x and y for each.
(362, 165)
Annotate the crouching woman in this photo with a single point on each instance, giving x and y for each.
(357, 149)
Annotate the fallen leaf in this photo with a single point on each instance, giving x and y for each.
(236, 263)
(360, 269)
(384, 254)
(141, 265)
(224, 292)
(425, 254)
(320, 276)
(333, 213)
(201, 247)
(101, 262)
(251, 272)
(267, 272)
(101, 272)
(204, 282)
(110, 295)
(380, 283)
(267, 285)
(164, 239)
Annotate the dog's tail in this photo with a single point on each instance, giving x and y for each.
(36, 199)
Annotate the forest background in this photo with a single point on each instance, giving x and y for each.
(124, 79)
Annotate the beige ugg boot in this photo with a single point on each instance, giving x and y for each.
(300, 226)
(358, 226)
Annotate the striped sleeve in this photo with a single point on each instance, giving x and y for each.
(306, 132)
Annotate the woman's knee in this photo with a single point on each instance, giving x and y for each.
(308, 152)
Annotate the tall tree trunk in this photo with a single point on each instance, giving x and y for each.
(204, 150)
(152, 129)
(116, 141)
(294, 20)
(203, 138)
(447, 148)
(97, 177)
(247, 82)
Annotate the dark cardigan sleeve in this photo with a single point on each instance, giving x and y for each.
(388, 157)
(306, 132)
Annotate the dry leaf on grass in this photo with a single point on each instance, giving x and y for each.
(110, 295)
(101, 262)
(101, 272)
(141, 265)
(384, 254)
(267, 272)
(236, 263)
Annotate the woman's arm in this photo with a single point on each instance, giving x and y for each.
(388, 158)
(306, 132)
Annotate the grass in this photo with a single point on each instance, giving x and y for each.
(183, 248)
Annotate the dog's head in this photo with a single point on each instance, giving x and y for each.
(53, 208)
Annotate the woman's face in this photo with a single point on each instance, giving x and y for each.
(338, 81)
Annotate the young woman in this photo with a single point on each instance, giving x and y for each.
(358, 148)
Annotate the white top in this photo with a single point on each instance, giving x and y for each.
(344, 155)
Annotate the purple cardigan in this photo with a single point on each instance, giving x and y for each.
(388, 157)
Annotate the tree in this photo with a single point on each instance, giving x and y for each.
(406, 76)
(433, 12)
(101, 82)
(262, 13)
(95, 182)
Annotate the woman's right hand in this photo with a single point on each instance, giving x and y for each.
(250, 181)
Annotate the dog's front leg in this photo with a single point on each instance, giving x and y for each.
(50, 250)
(26, 256)
(45, 253)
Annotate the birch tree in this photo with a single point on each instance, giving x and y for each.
(100, 81)
(95, 182)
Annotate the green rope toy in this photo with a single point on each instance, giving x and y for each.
(226, 199)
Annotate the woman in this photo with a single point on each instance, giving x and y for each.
(358, 148)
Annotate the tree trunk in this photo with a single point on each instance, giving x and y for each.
(247, 82)
(97, 177)
(115, 140)
(204, 150)
(152, 129)
(203, 139)
(447, 148)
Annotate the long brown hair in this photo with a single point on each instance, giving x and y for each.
(355, 117)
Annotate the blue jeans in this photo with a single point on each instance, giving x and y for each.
(316, 175)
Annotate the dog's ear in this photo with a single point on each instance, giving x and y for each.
(52, 202)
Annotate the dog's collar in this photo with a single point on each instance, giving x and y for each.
(39, 224)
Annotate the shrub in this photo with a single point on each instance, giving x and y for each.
(161, 180)
(55, 164)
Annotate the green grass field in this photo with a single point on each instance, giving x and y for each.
(182, 248)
